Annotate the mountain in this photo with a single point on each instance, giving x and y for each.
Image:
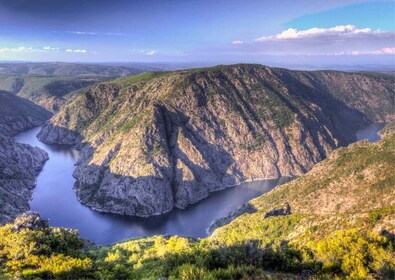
(50, 92)
(161, 140)
(18, 114)
(51, 85)
(71, 69)
(334, 222)
(19, 163)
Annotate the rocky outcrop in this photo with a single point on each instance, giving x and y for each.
(30, 220)
(282, 211)
(19, 163)
(19, 166)
(156, 141)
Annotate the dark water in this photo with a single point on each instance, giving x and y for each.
(55, 199)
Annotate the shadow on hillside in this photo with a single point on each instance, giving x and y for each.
(343, 122)
(148, 195)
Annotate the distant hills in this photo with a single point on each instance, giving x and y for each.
(51, 85)
(161, 140)
(69, 69)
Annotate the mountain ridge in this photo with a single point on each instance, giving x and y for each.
(160, 140)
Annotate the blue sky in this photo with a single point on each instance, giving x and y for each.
(221, 31)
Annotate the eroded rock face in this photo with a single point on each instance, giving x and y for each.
(19, 164)
(162, 140)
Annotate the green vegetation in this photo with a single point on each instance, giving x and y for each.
(258, 142)
(339, 243)
(143, 77)
(377, 214)
(44, 253)
(47, 91)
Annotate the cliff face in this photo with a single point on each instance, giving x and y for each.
(19, 167)
(156, 141)
(19, 163)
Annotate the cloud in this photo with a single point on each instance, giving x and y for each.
(30, 49)
(237, 42)
(24, 49)
(50, 49)
(151, 52)
(341, 39)
(76, 51)
(383, 51)
(95, 33)
(340, 31)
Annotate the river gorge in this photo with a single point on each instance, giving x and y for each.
(56, 200)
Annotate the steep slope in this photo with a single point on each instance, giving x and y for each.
(161, 140)
(50, 92)
(341, 225)
(19, 164)
(351, 185)
(18, 114)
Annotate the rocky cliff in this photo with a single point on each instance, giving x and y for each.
(19, 163)
(19, 167)
(156, 141)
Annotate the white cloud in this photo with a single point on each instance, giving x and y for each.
(95, 33)
(76, 51)
(151, 52)
(383, 51)
(29, 49)
(237, 42)
(340, 30)
(82, 32)
(50, 49)
(20, 49)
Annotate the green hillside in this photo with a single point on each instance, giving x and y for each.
(340, 226)
(50, 92)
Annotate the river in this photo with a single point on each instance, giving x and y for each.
(56, 200)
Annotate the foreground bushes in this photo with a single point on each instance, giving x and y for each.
(52, 253)
(42, 253)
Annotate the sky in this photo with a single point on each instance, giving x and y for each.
(205, 31)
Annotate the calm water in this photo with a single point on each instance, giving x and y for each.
(55, 199)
